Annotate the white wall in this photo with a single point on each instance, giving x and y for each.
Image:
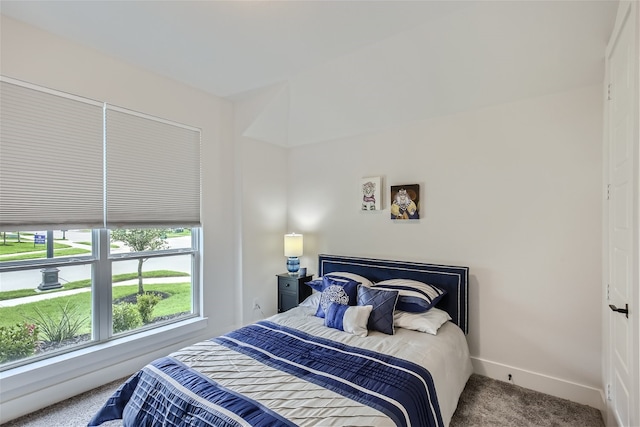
(37, 57)
(261, 182)
(264, 213)
(513, 192)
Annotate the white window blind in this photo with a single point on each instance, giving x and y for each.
(51, 151)
(152, 171)
(69, 161)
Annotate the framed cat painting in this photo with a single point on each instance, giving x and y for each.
(370, 197)
(405, 201)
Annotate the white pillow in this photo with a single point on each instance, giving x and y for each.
(312, 300)
(428, 322)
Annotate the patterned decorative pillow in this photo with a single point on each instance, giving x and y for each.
(384, 303)
(415, 297)
(428, 322)
(352, 319)
(340, 291)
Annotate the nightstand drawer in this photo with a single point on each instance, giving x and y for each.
(287, 285)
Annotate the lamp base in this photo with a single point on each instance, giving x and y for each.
(293, 265)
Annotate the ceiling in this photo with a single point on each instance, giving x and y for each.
(329, 69)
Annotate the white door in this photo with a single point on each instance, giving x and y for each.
(622, 221)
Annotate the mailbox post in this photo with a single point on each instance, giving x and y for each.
(49, 274)
(49, 279)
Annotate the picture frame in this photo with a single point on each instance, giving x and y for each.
(371, 194)
(405, 202)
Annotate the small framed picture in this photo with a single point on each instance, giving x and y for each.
(370, 197)
(405, 201)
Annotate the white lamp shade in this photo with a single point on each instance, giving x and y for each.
(292, 245)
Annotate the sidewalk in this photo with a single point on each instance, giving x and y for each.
(55, 294)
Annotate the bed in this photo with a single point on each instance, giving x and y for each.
(344, 369)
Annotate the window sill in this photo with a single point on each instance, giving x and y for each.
(27, 379)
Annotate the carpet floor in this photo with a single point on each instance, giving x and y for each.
(485, 402)
(488, 402)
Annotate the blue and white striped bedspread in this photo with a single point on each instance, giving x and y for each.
(167, 392)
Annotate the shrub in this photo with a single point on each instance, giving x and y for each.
(146, 303)
(17, 342)
(60, 328)
(125, 317)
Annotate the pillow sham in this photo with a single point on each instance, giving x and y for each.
(337, 290)
(317, 284)
(415, 297)
(428, 322)
(384, 303)
(352, 319)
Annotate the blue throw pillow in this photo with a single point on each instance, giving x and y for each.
(352, 319)
(384, 303)
(316, 284)
(337, 290)
(415, 297)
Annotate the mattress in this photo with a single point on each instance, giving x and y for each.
(258, 379)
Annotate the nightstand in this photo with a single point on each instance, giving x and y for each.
(292, 290)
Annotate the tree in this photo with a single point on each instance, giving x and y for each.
(139, 240)
(4, 237)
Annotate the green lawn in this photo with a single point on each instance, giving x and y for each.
(185, 232)
(178, 302)
(68, 251)
(26, 246)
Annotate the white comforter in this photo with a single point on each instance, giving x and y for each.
(445, 355)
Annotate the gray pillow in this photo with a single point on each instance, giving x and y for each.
(384, 303)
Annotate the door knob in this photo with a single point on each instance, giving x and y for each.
(624, 310)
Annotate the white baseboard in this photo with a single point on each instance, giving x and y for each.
(558, 387)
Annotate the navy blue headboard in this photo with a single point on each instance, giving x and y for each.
(453, 279)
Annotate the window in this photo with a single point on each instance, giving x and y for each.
(100, 230)
(45, 303)
(151, 276)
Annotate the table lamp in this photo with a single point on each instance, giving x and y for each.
(292, 250)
